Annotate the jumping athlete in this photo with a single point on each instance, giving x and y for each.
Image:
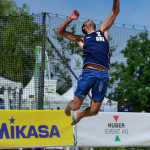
(96, 55)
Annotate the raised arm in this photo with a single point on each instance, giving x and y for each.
(62, 30)
(110, 20)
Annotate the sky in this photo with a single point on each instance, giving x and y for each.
(132, 12)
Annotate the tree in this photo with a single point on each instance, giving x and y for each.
(133, 77)
(19, 35)
(8, 7)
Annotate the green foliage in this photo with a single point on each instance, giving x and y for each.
(134, 76)
(8, 7)
(18, 35)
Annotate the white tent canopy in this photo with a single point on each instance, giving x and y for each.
(52, 100)
(11, 92)
(28, 96)
(29, 89)
(9, 84)
(55, 101)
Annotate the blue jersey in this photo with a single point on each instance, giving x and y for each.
(96, 49)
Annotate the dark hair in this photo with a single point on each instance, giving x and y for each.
(84, 26)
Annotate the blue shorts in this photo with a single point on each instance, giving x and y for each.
(95, 80)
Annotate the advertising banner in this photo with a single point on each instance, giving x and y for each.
(109, 129)
(35, 128)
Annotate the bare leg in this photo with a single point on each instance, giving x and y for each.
(73, 105)
(69, 108)
(90, 111)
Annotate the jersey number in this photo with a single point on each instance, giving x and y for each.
(99, 38)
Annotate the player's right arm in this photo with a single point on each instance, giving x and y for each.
(68, 35)
(110, 20)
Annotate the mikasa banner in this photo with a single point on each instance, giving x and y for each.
(35, 128)
(114, 129)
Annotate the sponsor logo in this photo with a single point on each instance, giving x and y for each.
(27, 131)
(88, 37)
(116, 128)
(100, 39)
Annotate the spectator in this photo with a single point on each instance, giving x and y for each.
(108, 107)
(126, 107)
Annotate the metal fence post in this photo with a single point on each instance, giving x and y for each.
(42, 68)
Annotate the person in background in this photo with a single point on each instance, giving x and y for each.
(108, 107)
(126, 107)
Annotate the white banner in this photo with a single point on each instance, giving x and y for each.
(109, 129)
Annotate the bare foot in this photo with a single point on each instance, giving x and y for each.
(78, 117)
(67, 111)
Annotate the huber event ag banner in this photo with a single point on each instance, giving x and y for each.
(35, 128)
(115, 129)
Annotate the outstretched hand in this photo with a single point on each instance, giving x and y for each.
(74, 15)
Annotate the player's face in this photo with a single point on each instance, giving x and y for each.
(90, 24)
(126, 103)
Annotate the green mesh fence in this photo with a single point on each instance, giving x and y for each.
(22, 56)
(21, 71)
(20, 48)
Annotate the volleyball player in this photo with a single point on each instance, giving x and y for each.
(96, 55)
